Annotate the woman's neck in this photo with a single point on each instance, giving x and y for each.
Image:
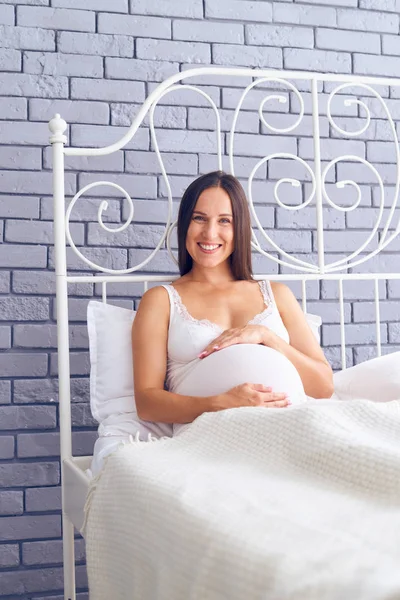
(216, 277)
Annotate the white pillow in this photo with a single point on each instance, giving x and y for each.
(111, 368)
(377, 379)
(112, 399)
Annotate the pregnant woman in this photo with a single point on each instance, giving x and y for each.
(217, 339)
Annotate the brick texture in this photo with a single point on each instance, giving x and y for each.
(95, 62)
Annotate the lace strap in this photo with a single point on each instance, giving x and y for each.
(266, 291)
(176, 302)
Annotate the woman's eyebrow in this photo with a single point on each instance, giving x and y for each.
(199, 212)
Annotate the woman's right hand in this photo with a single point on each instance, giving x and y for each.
(252, 394)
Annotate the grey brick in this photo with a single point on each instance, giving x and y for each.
(223, 80)
(110, 258)
(394, 288)
(363, 353)
(81, 416)
(383, 90)
(14, 206)
(329, 311)
(26, 38)
(118, 6)
(46, 63)
(134, 236)
(204, 118)
(243, 165)
(18, 256)
(27, 475)
(307, 219)
(178, 184)
(239, 10)
(290, 241)
(333, 354)
(23, 365)
(304, 15)
(247, 56)
(169, 117)
(109, 162)
(394, 331)
(331, 149)
(107, 90)
(257, 145)
(364, 312)
(6, 447)
(334, 2)
(366, 218)
(139, 186)
(390, 45)
(160, 263)
(368, 21)
(29, 182)
(194, 52)
(39, 232)
(278, 168)
(49, 552)
(37, 86)
(362, 174)
(9, 555)
(78, 308)
(174, 163)
(317, 60)
(231, 98)
(189, 97)
(11, 503)
(32, 2)
(31, 445)
(31, 527)
(151, 211)
(5, 392)
(46, 390)
(24, 309)
(100, 135)
(385, 262)
(28, 417)
(56, 18)
(167, 8)
(139, 70)
(186, 141)
(43, 499)
(345, 241)
(279, 35)
(14, 108)
(95, 43)
(378, 65)
(355, 333)
(10, 60)
(4, 282)
(378, 129)
(81, 596)
(79, 363)
(348, 41)
(43, 282)
(206, 31)
(71, 111)
(153, 27)
(86, 210)
(6, 15)
(386, 5)
(14, 157)
(5, 337)
(38, 580)
(344, 197)
(45, 336)
(23, 133)
(129, 289)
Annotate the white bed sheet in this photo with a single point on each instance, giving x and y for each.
(301, 503)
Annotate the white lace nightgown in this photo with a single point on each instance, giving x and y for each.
(224, 369)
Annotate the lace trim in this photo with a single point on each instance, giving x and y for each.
(184, 313)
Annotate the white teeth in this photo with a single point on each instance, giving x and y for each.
(206, 247)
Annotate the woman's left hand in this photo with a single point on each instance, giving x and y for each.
(249, 334)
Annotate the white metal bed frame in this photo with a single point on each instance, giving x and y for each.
(75, 482)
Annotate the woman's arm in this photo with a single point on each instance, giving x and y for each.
(303, 349)
(149, 349)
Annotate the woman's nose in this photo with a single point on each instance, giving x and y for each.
(211, 229)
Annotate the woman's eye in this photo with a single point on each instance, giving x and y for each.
(225, 221)
(198, 218)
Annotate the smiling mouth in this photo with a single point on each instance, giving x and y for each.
(209, 248)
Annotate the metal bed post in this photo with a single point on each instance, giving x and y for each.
(57, 127)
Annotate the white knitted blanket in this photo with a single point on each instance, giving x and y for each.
(300, 503)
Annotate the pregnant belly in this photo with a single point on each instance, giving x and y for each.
(243, 363)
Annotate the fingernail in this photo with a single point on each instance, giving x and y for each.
(202, 354)
(216, 348)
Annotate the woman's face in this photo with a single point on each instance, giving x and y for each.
(209, 239)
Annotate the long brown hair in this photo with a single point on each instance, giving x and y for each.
(240, 259)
